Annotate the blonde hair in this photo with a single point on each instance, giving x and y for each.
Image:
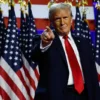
(58, 6)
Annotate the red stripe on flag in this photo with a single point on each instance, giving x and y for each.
(99, 77)
(12, 85)
(37, 74)
(32, 82)
(24, 83)
(3, 94)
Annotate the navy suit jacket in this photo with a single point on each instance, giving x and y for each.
(54, 69)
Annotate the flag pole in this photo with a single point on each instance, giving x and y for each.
(51, 3)
(68, 2)
(97, 4)
(84, 2)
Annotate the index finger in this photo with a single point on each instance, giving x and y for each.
(48, 29)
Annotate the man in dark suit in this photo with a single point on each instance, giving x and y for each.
(56, 65)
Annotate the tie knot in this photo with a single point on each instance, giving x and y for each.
(65, 37)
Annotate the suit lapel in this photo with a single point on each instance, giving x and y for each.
(80, 47)
(77, 42)
(59, 48)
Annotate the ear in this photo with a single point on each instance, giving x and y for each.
(71, 21)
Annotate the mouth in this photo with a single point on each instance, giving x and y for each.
(63, 26)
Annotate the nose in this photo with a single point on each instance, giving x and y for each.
(62, 21)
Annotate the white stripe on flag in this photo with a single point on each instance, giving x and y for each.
(97, 67)
(14, 77)
(7, 89)
(32, 92)
(32, 74)
(25, 77)
(30, 70)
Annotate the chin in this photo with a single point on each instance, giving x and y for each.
(62, 33)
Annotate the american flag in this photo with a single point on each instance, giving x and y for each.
(30, 67)
(97, 46)
(77, 22)
(12, 78)
(16, 81)
(85, 32)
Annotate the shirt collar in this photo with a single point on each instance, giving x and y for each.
(69, 36)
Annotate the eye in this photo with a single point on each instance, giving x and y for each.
(65, 17)
(57, 19)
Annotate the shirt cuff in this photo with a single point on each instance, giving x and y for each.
(43, 49)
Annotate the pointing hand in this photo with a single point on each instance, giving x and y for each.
(47, 36)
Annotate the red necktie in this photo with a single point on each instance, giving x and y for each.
(76, 71)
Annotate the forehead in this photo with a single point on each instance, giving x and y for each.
(60, 12)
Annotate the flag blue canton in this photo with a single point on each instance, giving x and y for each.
(77, 22)
(97, 47)
(2, 32)
(12, 53)
(22, 32)
(30, 34)
(85, 28)
(85, 32)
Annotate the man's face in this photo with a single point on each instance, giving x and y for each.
(62, 21)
